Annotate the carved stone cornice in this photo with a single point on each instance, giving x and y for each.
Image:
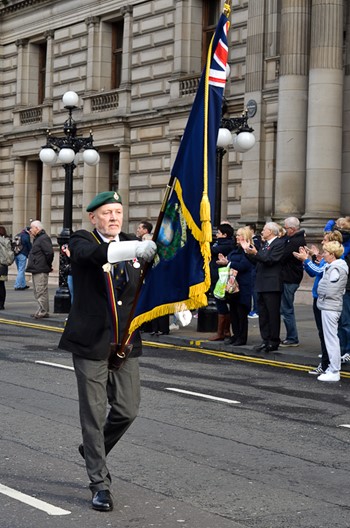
(11, 6)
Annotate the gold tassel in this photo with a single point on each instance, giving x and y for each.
(205, 219)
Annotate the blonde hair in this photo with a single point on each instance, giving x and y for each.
(281, 230)
(246, 233)
(334, 248)
(343, 223)
(334, 236)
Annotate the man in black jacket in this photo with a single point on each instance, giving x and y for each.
(106, 271)
(40, 265)
(292, 274)
(268, 285)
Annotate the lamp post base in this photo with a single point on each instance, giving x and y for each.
(62, 300)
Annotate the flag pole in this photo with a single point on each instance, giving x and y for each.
(123, 349)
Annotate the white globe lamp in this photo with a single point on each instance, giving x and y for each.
(70, 99)
(66, 155)
(224, 138)
(48, 156)
(243, 142)
(91, 157)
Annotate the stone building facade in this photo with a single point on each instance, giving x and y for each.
(136, 65)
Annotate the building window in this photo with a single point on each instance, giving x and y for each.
(42, 52)
(114, 171)
(117, 53)
(210, 20)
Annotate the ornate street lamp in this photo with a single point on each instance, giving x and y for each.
(242, 140)
(237, 132)
(64, 150)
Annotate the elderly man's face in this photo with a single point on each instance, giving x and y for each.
(34, 230)
(266, 233)
(108, 219)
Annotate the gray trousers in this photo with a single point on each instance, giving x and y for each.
(41, 291)
(97, 387)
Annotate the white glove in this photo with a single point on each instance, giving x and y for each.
(120, 251)
(146, 250)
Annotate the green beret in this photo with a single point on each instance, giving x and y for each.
(104, 198)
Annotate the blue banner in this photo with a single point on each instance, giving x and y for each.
(179, 277)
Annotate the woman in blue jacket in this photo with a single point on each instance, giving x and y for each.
(240, 302)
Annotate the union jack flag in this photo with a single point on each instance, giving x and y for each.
(217, 74)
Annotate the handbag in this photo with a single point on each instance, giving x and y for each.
(232, 285)
(7, 256)
(227, 282)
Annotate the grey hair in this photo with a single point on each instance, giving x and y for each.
(37, 223)
(273, 227)
(292, 221)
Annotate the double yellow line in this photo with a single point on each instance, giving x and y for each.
(194, 349)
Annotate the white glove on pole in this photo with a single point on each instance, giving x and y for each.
(119, 251)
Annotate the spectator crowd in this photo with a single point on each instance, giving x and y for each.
(269, 269)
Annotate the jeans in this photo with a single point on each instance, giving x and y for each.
(21, 262)
(70, 287)
(344, 324)
(287, 311)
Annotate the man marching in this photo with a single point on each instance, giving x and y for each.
(106, 271)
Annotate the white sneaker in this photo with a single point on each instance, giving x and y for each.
(174, 326)
(318, 370)
(329, 376)
(345, 358)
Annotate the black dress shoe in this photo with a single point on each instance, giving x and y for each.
(261, 347)
(102, 501)
(271, 348)
(239, 342)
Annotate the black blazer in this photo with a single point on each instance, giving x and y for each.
(268, 266)
(88, 330)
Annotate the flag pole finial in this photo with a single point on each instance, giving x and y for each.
(227, 8)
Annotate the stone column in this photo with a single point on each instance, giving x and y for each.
(292, 109)
(22, 79)
(49, 35)
(127, 47)
(92, 77)
(345, 199)
(46, 192)
(124, 179)
(182, 36)
(89, 191)
(19, 217)
(325, 115)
